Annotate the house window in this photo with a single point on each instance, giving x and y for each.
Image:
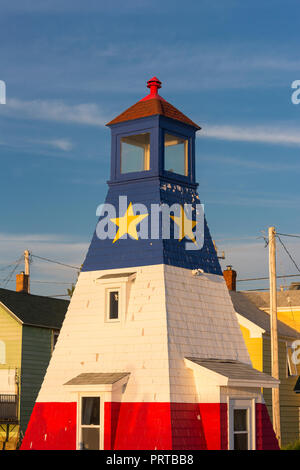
(291, 366)
(241, 429)
(113, 312)
(90, 423)
(2, 352)
(176, 154)
(135, 153)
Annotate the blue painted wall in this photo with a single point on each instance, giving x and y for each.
(151, 187)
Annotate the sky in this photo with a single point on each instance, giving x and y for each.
(71, 66)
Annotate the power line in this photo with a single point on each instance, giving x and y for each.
(53, 282)
(7, 280)
(288, 235)
(10, 265)
(265, 278)
(43, 282)
(55, 262)
(288, 253)
(255, 290)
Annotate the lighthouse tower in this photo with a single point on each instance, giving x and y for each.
(150, 355)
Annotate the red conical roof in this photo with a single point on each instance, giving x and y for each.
(152, 105)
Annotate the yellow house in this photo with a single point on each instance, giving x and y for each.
(255, 326)
(288, 304)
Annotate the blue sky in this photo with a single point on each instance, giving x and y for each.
(71, 66)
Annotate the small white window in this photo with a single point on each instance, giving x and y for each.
(241, 428)
(116, 293)
(113, 310)
(89, 426)
(113, 304)
(241, 425)
(2, 352)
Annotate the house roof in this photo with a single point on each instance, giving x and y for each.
(235, 370)
(287, 298)
(151, 105)
(35, 310)
(245, 307)
(99, 378)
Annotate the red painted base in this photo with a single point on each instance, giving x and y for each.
(144, 426)
(51, 426)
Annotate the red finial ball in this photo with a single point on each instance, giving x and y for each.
(154, 84)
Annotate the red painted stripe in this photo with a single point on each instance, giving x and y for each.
(165, 426)
(144, 426)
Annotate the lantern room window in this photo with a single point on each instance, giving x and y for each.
(176, 154)
(135, 153)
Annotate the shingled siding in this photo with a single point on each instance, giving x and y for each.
(36, 352)
(10, 334)
(289, 400)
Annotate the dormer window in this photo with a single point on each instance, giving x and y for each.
(135, 153)
(117, 287)
(176, 154)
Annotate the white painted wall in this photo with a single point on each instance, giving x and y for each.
(169, 314)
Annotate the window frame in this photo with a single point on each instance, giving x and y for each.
(242, 404)
(92, 426)
(117, 165)
(108, 290)
(184, 178)
(147, 158)
(109, 283)
(186, 153)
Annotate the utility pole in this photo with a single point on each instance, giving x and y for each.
(27, 267)
(274, 332)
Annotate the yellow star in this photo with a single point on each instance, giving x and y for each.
(185, 226)
(128, 223)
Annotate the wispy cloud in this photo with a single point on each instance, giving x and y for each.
(261, 134)
(61, 144)
(249, 198)
(249, 201)
(55, 110)
(251, 164)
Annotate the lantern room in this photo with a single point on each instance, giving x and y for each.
(153, 139)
